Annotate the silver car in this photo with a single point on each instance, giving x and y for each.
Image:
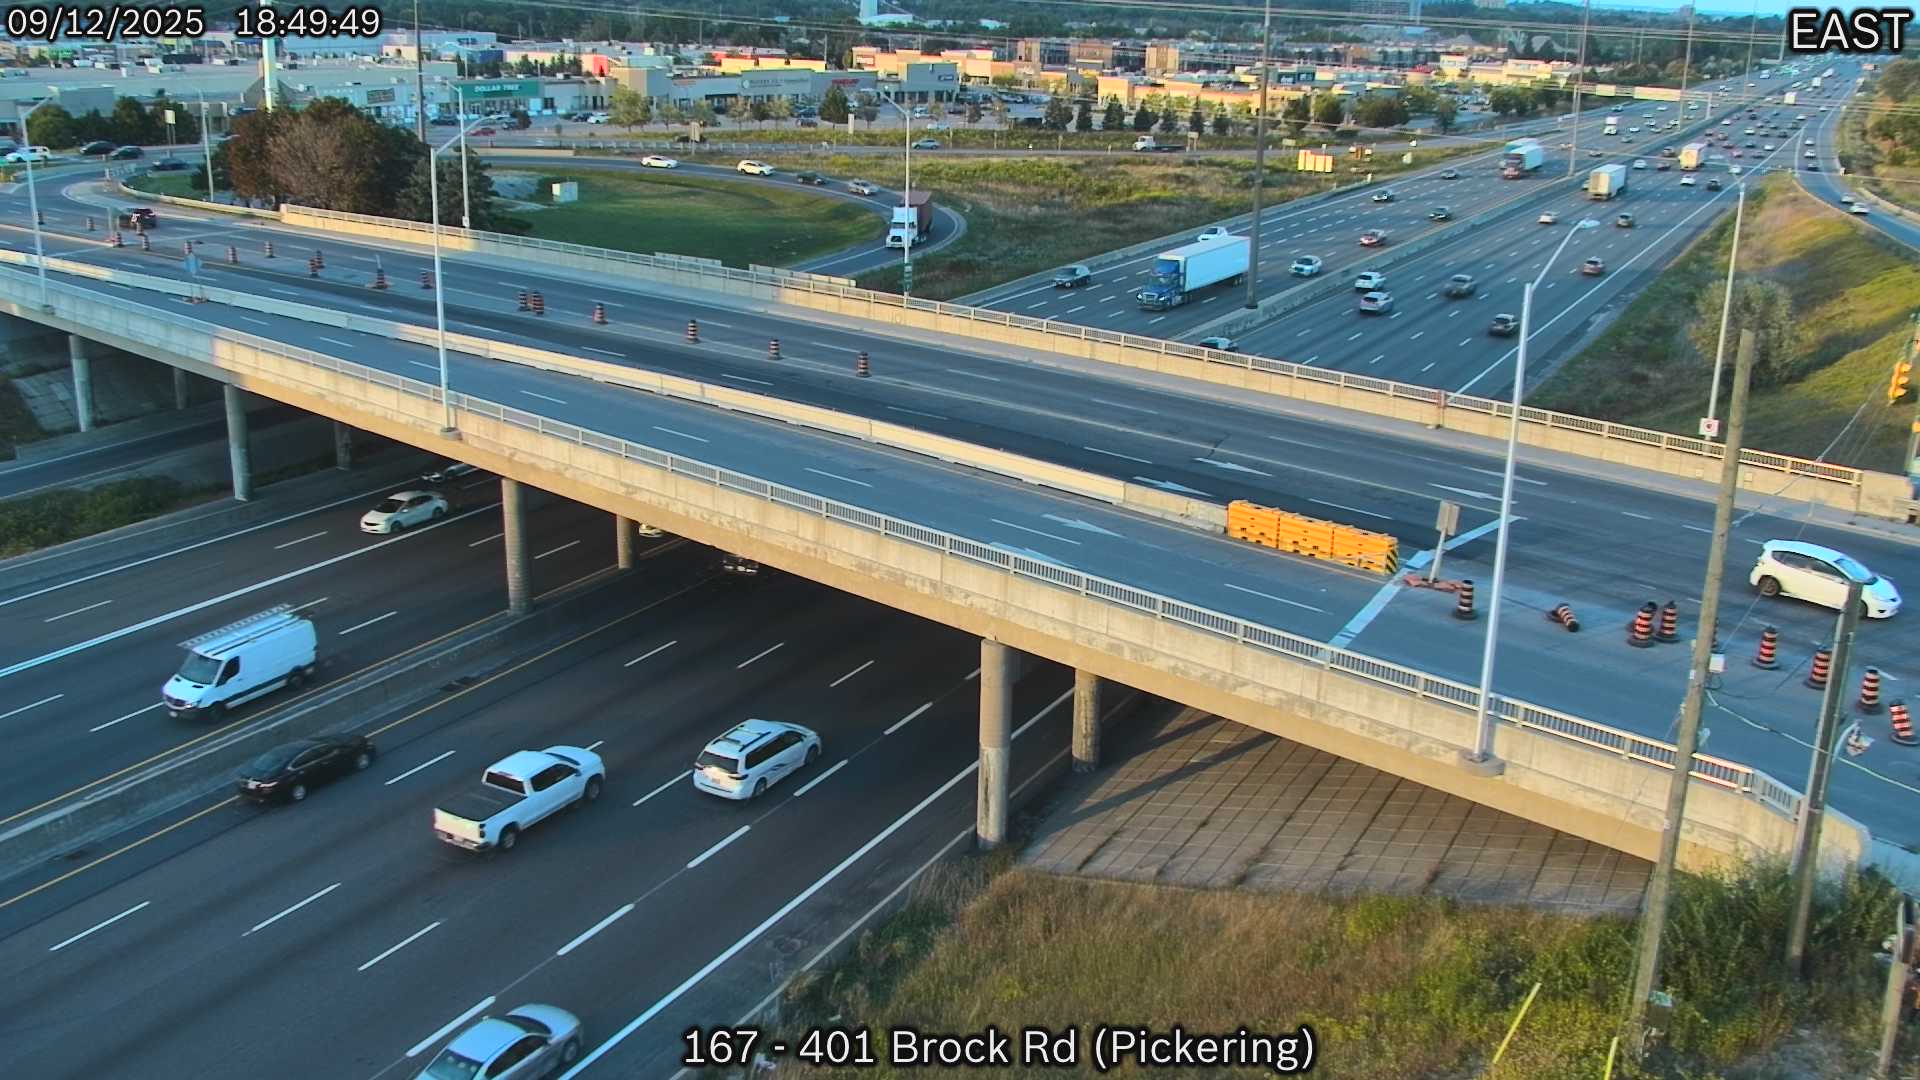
(532, 1040)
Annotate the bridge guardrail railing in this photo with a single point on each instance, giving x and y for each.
(1749, 782)
(1387, 389)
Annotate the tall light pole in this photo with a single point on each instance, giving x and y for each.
(1482, 759)
(1259, 160)
(1726, 309)
(1753, 24)
(33, 205)
(266, 66)
(206, 143)
(466, 207)
(439, 283)
(1579, 76)
(1687, 63)
(906, 250)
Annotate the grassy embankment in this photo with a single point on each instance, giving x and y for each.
(1867, 159)
(1394, 988)
(1852, 294)
(179, 184)
(683, 214)
(55, 517)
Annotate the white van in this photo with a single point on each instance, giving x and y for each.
(242, 661)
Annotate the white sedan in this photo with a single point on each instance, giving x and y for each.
(657, 161)
(402, 510)
(754, 168)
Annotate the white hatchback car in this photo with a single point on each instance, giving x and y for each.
(753, 757)
(1819, 575)
(1369, 281)
(402, 510)
(659, 161)
(1305, 266)
(754, 168)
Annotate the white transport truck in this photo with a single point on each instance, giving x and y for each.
(1179, 273)
(516, 793)
(240, 662)
(1607, 182)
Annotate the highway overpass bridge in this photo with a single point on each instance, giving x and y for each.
(1135, 607)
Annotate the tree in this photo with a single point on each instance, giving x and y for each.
(415, 201)
(628, 108)
(974, 112)
(780, 109)
(1196, 120)
(1083, 116)
(186, 122)
(1169, 122)
(833, 109)
(702, 113)
(1143, 119)
(1379, 111)
(1298, 111)
(1421, 100)
(1764, 307)
(132, 125)
(1222, 122)
(757, 110)
(53, 127)
(327, 154)
(1328, 109)
(1116, 117)
(518, 120)
(1059, 114)
(1443, 114)
(667, 111)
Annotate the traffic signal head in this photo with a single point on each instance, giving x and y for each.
(1902, 374)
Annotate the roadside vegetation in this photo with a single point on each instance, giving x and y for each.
(1879, 144)
(55, 517)
(1025, 215)
(1393, 987)
(683, 214)
(1830, 301)
(180, 185)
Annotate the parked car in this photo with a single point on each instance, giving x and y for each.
(1504, 325)
(126, 153)
(1460, 285)
(1593, 267)
(530, 1041)
(481, 132)
(926, 144)
(1820, 575)
(169, 165)
(659, 161)
(1072, 277)
(751, 758)
(862, 187)
(1305, 266)
(1224, 344)
(138, 217)
(444, 121)
(1373, 238)
(813, 178)
(448, 473)
(517, 792)
(403, 510)
(35, 154)
(1376, 303)
(600, 118)
(286, 773)
(575, 117)
(97, 148)
(753, 168)
(1369, 280)
(241, 661)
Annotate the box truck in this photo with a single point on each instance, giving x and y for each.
(1613, 127)
(1693, 155)
(1183, 271)
(1607, 181)
(912, 221)
(1522, 156)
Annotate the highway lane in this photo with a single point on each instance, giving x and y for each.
(84, 663)
(240, 978)
(1828, 184)
(18, 477)
(1330, 229)
(1556, 557)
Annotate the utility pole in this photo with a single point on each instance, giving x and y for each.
(1653, 917)
(1813, 805)
(1259, 162)
(419, 81)
(1579, 76)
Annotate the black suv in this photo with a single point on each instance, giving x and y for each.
(813, 178)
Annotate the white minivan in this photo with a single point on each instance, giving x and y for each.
(240, 662)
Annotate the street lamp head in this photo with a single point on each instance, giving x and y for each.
(1587, 223)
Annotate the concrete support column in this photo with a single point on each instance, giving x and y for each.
(1086, 721)
(179, 388)
(996, 736)
(513, 524)
(82, 380)
(623, 537)
(237, 455)
(342, 445)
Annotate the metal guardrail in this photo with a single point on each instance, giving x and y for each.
(1753, 783)
(1606, 429)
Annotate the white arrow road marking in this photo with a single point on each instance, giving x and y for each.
(1231, 467)
(1168, 485)
(1083, 526)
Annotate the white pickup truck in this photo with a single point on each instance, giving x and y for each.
(516, 792)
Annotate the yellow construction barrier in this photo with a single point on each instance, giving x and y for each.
(1313, 538)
